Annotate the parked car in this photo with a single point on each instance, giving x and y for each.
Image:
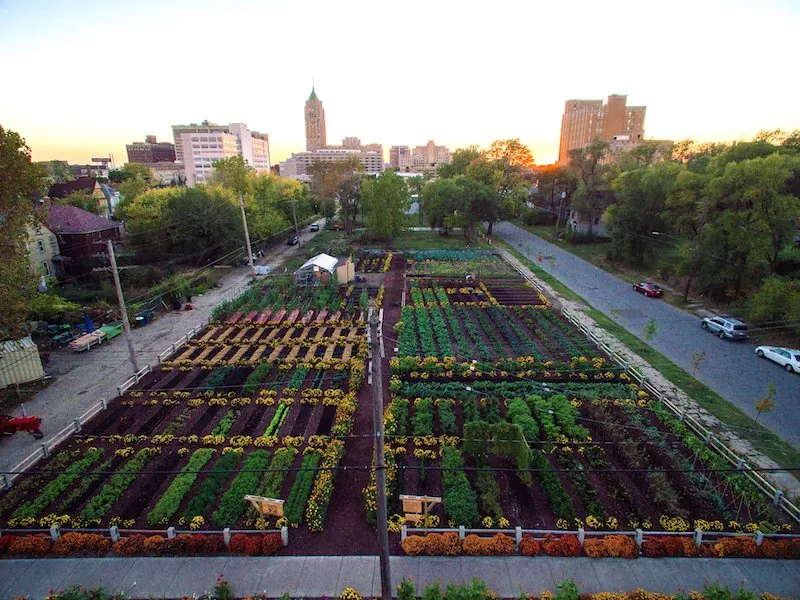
(293, 241)
(788, 358)
(649, 289)
(725, 327)
(314, 227)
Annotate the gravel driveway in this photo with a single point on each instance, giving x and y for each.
(730, 368)
(84, 378)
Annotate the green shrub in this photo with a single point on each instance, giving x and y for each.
(102, 502)
(459, 500)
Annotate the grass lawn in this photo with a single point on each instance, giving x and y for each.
(746, 428)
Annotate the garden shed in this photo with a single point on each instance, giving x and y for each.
(316, 270)
(19, 362)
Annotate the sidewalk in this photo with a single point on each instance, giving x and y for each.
(85, 378)
(315, 577)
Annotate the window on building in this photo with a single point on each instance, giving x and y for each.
(46, 268)
(40, 243)
(38, 229)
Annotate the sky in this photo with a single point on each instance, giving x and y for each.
(81, 79)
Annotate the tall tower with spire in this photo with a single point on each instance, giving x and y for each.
(315, 123)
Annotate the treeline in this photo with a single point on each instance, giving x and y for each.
(479, 186)
(204, 222)
(731, 212)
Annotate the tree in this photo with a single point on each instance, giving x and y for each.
(234, 174)
(641, 197)
(461, 159)
(645, 154)
(82, 200)
(19, 178)
(56, 171)
(512, 152)
(201, 222)
(650, 330)
(697, 359)
(593, 193)
(767, 403)
(339, 180)
(386, 201)
(439, 201)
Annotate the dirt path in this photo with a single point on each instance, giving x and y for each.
(85, 378)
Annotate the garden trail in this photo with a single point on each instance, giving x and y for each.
(327, 576)
(83, 379)
(784, 480)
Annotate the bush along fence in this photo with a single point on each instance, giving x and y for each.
(76, 425)
(596, 544)
(39, 543)
(776, 495)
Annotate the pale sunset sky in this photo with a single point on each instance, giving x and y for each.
(82, 79)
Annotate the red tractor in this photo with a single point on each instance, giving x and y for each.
(10, 425)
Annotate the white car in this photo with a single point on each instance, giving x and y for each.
(788, 358)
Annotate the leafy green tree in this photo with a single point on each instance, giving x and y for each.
(767, 403)
(439, 200)
(386, 201)
(641, 197)
(644, 155)
(82, 200)
(234, 174)
(593, 190)
(339, 181)
(56, 171)
(512, 153)
(461, 159)
(19, 179)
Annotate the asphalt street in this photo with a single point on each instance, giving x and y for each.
(730, 368)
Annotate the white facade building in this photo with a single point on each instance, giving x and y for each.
(296, 167)
(198, 147)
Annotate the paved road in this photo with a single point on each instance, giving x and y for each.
(83, 379)
(327, 576)
(730, 368)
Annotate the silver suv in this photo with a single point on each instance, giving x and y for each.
(725, 327)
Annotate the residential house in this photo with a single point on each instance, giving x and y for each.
(42, 245)
(86, 185)
(81, 236)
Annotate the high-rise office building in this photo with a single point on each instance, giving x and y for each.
(430, 156)
(586, 121)
(400, 158)
(150, 151)
(315, 123)
(198, 147)
(297, 165)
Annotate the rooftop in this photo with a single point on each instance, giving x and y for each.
(65, 218)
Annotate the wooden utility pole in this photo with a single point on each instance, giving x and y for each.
(380, 458)
(123, 311)
(247, 239)
(294, 216)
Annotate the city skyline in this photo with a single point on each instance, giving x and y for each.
(694, 72)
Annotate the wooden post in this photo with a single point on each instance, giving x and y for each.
(124, 313)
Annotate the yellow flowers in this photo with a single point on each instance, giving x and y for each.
(229, 449)
(240, 441)
(213, 440)
(395, 523)
(487, 522)
(124, 452)
(704, 525)
(196, 523)
(349, 594)
(674, 523)
(593, 522)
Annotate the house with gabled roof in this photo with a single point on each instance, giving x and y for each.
(81, 236)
